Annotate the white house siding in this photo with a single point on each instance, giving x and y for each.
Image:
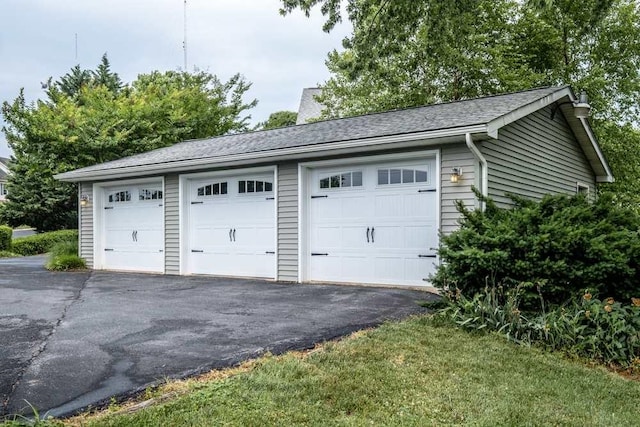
(86, 225)
(171, 224)
(535, 156)
(287, 198)
(454, 156)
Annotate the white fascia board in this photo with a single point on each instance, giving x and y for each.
(608, 177)
(271, 156)
(494, 125)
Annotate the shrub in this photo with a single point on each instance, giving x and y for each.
(552, 249)
(9, 254)
(65, 262)
(42, 243)
(6, 234)
(603, 330)
(63, 255)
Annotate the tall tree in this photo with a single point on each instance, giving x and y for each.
(404, 53)
(97, 124)
(278, 119)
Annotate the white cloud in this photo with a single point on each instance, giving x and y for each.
(280, 55)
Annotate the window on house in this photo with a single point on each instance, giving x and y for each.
(342, 180)
(150, 195)
(253, 186)
(120, 196)
(401, 176)
(213, 189)
(3, 189)
(582, 189)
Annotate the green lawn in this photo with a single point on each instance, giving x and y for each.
(408, 373)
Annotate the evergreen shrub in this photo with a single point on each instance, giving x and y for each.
(552, 250)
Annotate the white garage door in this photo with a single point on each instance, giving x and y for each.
(132, 228)
(232, 226)
(373, 223)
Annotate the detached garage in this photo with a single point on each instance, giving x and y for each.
(357, 200)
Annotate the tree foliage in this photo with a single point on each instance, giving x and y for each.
(89, 117)
(404, 53)
(279, 119)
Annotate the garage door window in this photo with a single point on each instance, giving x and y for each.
(252, 186)
(402, 176)
(120, 196)
(150, 195)
(342, 180)
(213, 189)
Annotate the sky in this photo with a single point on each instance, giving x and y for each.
(279, 55)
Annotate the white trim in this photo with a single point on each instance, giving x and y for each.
(494, 125)
(98, 217)
(276, 229)
(272, 156)
(183, 198)
(304, 190)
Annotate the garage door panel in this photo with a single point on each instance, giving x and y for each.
(399, 213)
(132, 230)
(235, 231)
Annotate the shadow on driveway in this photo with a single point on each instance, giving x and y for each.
(75, 342)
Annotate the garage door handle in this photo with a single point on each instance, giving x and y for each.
(197, 250)
(319, 254)
(271, 198)
(427, 256)
(319, 197)
(367, 234)
(234, 234)
(109, 207)
(197, 203)
(108, 250)
(430, 190)
(372, 238)
(270, 252)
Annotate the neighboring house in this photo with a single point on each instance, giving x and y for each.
(355, 200)
(4, 177)
(309, 108)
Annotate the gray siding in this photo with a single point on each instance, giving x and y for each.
(171, 224)
(288, 222)
(535, 156)
(457, 155)
(85, 225)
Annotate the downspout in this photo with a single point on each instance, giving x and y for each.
(484, 184)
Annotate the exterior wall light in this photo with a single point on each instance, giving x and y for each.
(581, 107)
(456, 174)
(84, 200)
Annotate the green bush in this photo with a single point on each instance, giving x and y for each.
(42, 243)
(63, 255)
(6, 234)
(553, 249)
(9, 254)
(65, 262)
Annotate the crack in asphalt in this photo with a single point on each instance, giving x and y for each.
(42, 347)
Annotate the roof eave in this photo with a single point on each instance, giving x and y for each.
(344, 147)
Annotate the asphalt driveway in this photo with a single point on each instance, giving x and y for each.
(69, 340)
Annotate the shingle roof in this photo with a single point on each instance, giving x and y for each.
(397, 122)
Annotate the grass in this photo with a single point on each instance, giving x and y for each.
(410, 373)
